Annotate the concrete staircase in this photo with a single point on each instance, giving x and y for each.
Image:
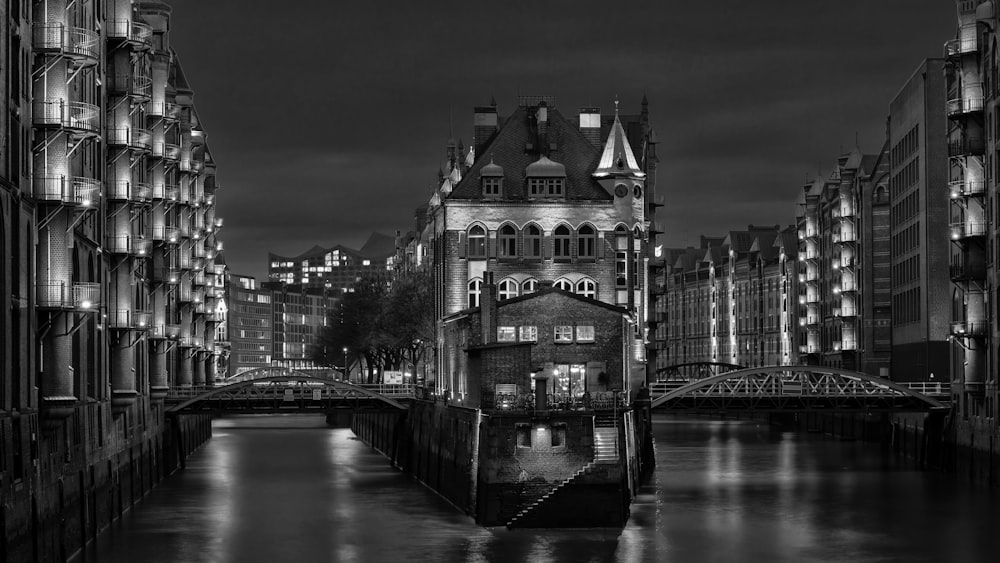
(605, 451)
(605, 440)
(527, 510)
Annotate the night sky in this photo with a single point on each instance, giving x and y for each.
(328, 119)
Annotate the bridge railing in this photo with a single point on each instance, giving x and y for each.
(392, 390)
(927, 388)
(525, 402)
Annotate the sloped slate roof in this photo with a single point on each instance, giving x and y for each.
(507, 149)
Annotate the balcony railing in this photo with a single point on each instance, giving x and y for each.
(77, 116)
(126, 190)
(166, 274)
(82, 45)
(171, 152)
(137, 33)
(848, 312)
(966, 188)
(132, 137)
(171, 192)
(809, 349)
(172, 111)
(967, 230)
(965, 271)
(956, 47)
(166, 234)
(960, 147)
(83, 296)
(969, 328)
(963, 106)
(848, 344)
(70, 190)
(135, 85)
(129, 319)
(172, 331)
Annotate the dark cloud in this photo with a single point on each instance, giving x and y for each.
(328, 119)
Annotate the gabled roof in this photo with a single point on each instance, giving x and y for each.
(379, 246)
(542, 292)
(516, 146)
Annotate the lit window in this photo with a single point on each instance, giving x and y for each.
(506, 334)
(366, 262)
(562, 237)
(584, 333)
(477, 242)
(507, 237)
(587, 242)
(587, 288)
(563, 333)
(475, 290)
(532, 242)
(529, 334)
(506, 289)
(529, 286)
(563, 284)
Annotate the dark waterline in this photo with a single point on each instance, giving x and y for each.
(289, 489)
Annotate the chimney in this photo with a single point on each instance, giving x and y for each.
(590, 125)
(488, 309)
(485, 125)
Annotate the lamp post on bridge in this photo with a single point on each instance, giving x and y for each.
(347, 376)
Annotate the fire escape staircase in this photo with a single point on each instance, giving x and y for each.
(605, 451)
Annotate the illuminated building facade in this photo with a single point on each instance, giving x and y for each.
(541, 198)
(733, 300)
(843, 235)
(108, 245)
(336, 268)
(971, 91)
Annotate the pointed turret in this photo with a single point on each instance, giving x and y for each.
(617, 158)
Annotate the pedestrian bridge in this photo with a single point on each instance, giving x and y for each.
(279, 390)
(794, 388)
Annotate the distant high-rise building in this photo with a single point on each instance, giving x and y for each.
(336, 268)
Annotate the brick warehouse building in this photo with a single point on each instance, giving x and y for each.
(108, 243)
(542, 198)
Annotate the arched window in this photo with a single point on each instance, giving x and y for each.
(563, 284)
(587, 242)
(475, 290)
(532, 242)
(529, 286)
(587, 288)
(506, 289)
(507, 238)
(561, 238)
(477, 242)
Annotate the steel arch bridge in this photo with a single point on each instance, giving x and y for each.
(289, 391)
(694, 370)
(793, 388)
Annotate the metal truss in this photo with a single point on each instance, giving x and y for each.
(794, 388)
(287, 392)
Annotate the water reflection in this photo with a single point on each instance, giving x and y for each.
(290, 489)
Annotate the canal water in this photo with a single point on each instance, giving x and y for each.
(288, 489)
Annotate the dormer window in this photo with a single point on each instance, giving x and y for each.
(546, 178)
(492, 180)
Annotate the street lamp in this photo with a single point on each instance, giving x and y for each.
(346, 376)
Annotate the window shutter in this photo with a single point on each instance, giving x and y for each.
(461, 245)
(547, 242)
(491, 244)
(599, 251)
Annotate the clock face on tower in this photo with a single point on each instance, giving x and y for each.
(621, 190)
(637, 191)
